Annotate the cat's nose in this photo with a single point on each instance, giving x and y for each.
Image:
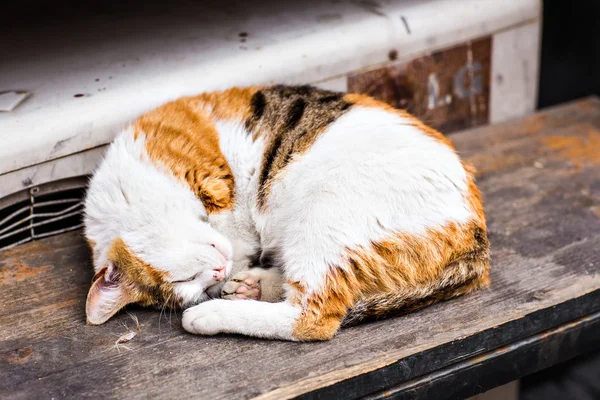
(219, 274)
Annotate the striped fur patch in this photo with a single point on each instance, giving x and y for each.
(289, 119)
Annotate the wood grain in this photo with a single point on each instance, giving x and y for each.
(541, 181)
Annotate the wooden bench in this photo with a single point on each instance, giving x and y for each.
(541, 179)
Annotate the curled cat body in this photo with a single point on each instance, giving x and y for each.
(318, 208)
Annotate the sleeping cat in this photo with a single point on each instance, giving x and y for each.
(352, 210)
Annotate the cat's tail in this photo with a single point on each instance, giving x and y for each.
(460, 277)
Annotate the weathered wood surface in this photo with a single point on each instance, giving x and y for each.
(541, 181)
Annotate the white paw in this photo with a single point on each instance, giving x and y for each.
(205, 319)
(242, 285)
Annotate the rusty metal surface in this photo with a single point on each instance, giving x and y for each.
(448, 89)
(540, 177)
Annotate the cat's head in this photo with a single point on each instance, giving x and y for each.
(149, 234)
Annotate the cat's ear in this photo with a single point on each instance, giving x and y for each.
(106, 296)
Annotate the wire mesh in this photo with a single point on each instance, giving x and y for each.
(40, 216)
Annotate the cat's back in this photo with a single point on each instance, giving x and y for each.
(349, 155)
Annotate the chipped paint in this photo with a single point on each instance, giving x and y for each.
(18, 272)
(579, 150)
(18, 356)
(486, 163)
(13, 255)
(11, 100)
(579, 144)
(449, 89)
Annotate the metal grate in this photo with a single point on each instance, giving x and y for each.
(44, 213)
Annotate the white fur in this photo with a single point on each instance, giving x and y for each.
(244, 157)
(370, 174)
(247, 317)
(158, 217)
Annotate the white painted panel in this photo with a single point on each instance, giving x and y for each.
(339, 84)
(515, 69)
(124, 69)
(67, 167)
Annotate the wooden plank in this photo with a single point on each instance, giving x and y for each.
(457, 357)
(503, 365)
(544, 222)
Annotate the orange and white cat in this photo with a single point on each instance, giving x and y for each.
(358, 210)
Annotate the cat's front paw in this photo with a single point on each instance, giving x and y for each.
(242, 285)
(204, 319)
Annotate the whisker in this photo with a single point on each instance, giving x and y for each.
(161, 312)
(170, 306)
(175, 308)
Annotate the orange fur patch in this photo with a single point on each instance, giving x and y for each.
(231, 104)
(184, 139)
(129, 281)
(182, 136)
(402, 273)
(474, 198)
(146, 285)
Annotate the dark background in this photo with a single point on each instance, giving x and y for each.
(570, 66)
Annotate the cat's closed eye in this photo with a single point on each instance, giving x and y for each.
(191, 278)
